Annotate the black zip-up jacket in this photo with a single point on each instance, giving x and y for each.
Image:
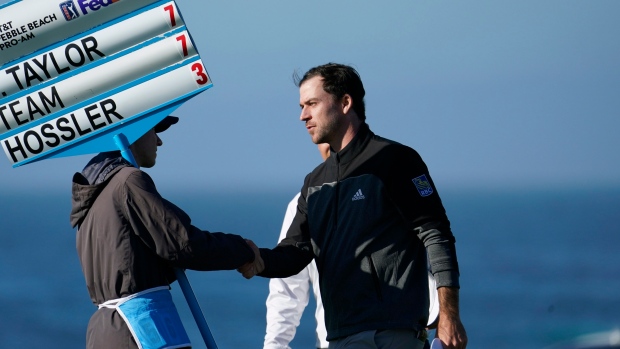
(369, 215)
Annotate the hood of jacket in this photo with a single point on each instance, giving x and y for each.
(87, 185)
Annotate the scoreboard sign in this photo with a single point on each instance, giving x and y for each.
(75, 73)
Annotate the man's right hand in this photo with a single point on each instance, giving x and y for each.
(450, 329)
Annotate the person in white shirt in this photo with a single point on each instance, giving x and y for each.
(289, 296)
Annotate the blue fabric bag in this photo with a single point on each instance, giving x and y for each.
(152, 318)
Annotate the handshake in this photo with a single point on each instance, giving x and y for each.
(248, 270)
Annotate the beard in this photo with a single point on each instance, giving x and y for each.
(326, 132)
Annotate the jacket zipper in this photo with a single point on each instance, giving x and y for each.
(337, 187)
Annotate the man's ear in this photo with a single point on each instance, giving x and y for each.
(346, 103)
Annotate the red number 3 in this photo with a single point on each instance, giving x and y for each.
(200, 73)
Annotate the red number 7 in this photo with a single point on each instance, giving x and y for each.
(170, 9)
(183, 41)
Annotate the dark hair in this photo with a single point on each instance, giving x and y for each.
(338, 80)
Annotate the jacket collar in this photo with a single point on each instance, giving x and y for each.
(348, 153)
(99, 167)
(88, 184)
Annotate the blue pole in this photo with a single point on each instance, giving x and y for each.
(123, 144)
(192, 302)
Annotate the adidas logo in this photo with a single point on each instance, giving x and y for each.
(358, 195)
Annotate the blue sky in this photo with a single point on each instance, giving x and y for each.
(492, 94)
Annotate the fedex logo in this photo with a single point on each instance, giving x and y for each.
(93, 5)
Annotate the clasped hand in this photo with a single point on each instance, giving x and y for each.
(248, 270)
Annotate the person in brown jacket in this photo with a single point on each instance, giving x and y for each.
(129, 240)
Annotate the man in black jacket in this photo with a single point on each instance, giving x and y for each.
(369, 215)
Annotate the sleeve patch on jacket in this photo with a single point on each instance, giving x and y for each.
(423, 185)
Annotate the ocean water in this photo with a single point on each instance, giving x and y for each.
(538, 267)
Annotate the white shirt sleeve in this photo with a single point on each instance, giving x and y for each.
(321, 332)
(433, 308)
(288, 298)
